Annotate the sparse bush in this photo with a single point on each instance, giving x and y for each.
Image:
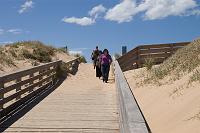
(63, 50)
(12, 51)
(82, 58)
(15, 45)
(148, 63)
(27, 54)
(42, 55)
(195, 76)
(62, 71)
(5, 60)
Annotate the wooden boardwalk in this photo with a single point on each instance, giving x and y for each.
(82, 104)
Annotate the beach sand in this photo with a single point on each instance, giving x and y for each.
(173, 107)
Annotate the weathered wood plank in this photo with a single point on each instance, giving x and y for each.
(142, 52)
(15, 105)
(18, 88)
(161, 50)
(30, 80)
(131, 117)
(11, 97)
(1, 93)
(45, 71)
(83, 105)
(22, 73)
(158, 55)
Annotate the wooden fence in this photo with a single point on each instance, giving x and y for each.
(18, 87)
(131, 116)
(137, 57)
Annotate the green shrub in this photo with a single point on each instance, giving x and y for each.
(12, 51)
(63, 50)
(148, 63)
(42, 55)
(195, 76)
(27, 54)
(82, 58)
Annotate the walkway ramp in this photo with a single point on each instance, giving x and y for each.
(82, 103)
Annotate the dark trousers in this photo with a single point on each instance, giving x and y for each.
(105, 68)
(98, 71)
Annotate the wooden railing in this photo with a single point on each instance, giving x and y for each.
(131, 117)
(137, 57)
(18, 87)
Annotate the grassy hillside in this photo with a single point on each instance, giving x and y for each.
(28, 52)
(184, 61)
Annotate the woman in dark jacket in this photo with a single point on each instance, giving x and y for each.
(106, 61)
(98, 66)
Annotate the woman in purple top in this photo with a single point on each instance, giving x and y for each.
(105, 60)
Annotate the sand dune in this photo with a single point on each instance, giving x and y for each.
(173, 107)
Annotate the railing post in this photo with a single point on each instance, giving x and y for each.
(18, 88)
(30, 76)
(48, 74)
(1, 94)
(172, 48)
(41, 77)
(58, 72)
(138, 58)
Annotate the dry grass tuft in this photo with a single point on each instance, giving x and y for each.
(148, 63)
(185, 60)
(195, 76)
(35, 51)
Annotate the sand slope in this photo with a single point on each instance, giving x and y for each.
(170, 108)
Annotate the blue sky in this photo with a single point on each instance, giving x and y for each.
(83, 24)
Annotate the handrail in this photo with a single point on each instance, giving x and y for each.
(131, 117)
(17, 86)
(137, 57)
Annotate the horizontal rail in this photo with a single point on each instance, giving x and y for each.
(131, 117)
(158, 52)
(19, 85)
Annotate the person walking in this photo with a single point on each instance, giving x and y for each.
(95, 55)
(98, 65)
(106, 61)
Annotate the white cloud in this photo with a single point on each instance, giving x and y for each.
(72, 52)
(158, 9)
(1, 31)
(96, 11)
(15, 31)
(152, 9)
(84, 21)
(122, 12)
(27, 5)
(149, 9)
(6, 42)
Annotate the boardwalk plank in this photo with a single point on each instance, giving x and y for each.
(81, 104)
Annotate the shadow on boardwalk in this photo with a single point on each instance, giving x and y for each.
(13, 117)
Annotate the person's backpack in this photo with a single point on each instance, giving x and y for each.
(95, 54)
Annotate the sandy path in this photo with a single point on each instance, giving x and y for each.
(82, 103)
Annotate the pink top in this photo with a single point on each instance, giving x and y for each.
(105, 60)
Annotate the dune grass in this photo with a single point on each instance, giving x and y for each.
(82, 58)
(185, 60)
(35, 51)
